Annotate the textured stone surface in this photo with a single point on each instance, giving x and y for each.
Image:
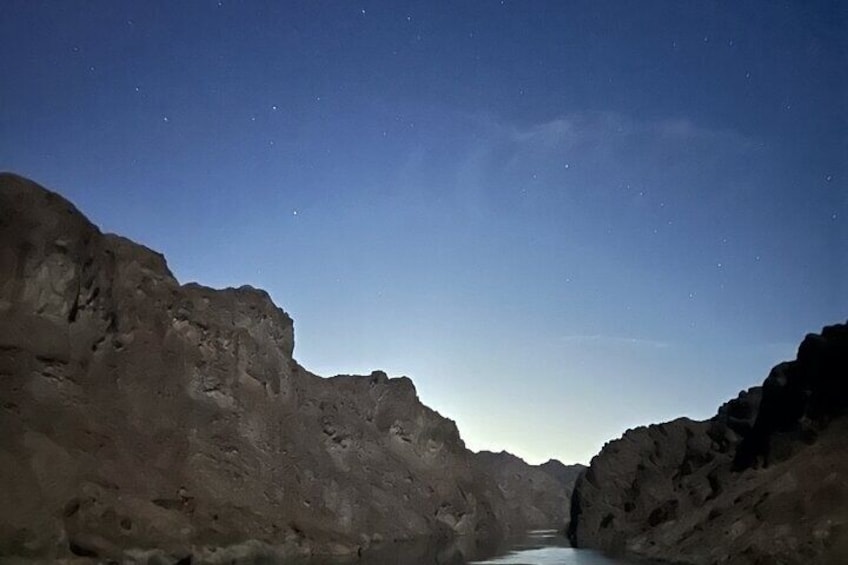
(532, 494)
(566, 475)
(765, 481)
(143, 419)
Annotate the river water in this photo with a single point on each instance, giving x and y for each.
(540, 547)
(546, 547)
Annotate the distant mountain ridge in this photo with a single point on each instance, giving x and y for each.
(148, 420)
(529, 492)
(565, 474)
(764, 481)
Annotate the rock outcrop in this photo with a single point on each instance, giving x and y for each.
(145, 419)
(566, 475)
(764, 481)
(531, 494)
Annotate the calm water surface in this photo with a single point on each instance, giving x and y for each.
(546, 547)
(541, 547)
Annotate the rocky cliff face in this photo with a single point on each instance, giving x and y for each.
(531, 494)
(566, 475)
(764, 481)
(142, 418)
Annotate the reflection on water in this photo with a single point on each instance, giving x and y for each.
(546, 547)
(540, 547)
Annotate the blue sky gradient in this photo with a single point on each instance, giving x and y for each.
(561, 219)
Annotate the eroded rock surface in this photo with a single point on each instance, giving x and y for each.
(146, 420)
(531, 493)
(566, 475)
(764, 481)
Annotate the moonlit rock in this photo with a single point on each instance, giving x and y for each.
(760, 482)
(142, 416)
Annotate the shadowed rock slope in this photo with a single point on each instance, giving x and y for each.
(144, 419)
(566, 475)
(764, 481)
(531, 493)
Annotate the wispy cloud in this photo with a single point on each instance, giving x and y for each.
(574, 154)
(685, 130)
(612, 134)
(587, 125)
(613, 340)
(600, 144)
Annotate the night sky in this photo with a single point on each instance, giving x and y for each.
(561, 219)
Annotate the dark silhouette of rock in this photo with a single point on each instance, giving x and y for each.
(800, 398)
(764, 481)
(145, 420)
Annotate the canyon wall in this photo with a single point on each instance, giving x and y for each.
(764, 481)
(142, 418)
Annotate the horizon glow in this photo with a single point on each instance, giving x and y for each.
(561, 220)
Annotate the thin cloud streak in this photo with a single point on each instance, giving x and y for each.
(614, 340)
(598, 147)
(578, 128)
